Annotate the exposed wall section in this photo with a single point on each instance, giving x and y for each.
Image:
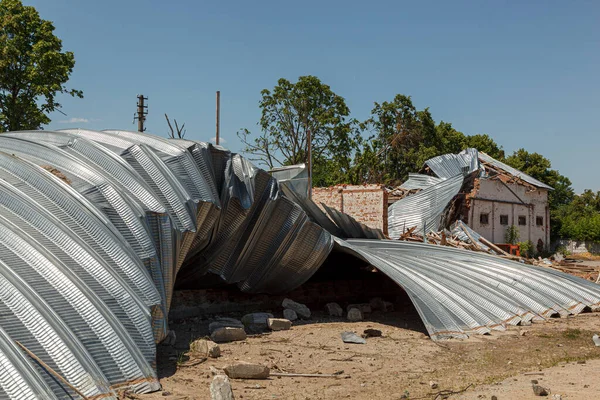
(365, 203)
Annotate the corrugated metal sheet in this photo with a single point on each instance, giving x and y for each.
(423, 209)
(449, 165)
(459, 292)
(420, 181)
(96, 226)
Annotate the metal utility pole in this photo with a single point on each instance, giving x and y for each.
(218, 117)
(309, 162)
(141, 112)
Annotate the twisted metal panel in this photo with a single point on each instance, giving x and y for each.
(96, 226)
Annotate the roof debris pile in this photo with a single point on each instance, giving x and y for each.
(429, 201)
(95, 227)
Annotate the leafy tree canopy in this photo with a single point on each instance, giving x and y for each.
(33, 68)
(289, 112)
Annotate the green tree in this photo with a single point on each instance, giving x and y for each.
(402, 138)
(289, 112)
(33, 68)
(485, 144)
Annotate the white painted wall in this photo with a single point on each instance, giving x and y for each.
(496, 198)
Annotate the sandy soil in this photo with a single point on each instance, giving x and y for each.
(401, 363)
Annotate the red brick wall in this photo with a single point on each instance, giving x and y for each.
(365, 203)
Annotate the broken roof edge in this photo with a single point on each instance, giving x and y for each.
(513, 171)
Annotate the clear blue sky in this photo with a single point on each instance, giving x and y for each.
(524, 72)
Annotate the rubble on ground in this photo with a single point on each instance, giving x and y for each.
(354, 314)
(300, 309)
(247, 371)
(220, 388)
(351, 337)
(228, 334)
(279, 324)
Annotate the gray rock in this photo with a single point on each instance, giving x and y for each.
(301, 309)
(525, 323)
(377, 304)
(354, 314)
(290, 314)
(371, 333)
(225, 323)
(334, 309)
(247, 371)
(539, 390)
(220, 388)
(363, 307)
(556, 397)
(206, 348)
(227, 334)
(256, 322)
(279, 324)
(351, 337)
(596, 340)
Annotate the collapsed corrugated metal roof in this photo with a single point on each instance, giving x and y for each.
(95, 227)
(425, 208)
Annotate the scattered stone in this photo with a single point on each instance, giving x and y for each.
(363, 307)
(377, 304)
(166, 393)
(351, 337)
(540, 390)
(301, 309)
(523, 333)
(494, 398)
(334, 309)
(256, 322)
(206, 348)
(556, 397)
(354, 314)
(279, 324)
(227, 334)
(220, 388)
(371, 333)
(534, 381)
(388, 307)
(225, 323)
(596, 340)
(213, 371)
(525, 323)
(290, 314)
(247, 371)
(170, 339)
(581, 362)
(433, 384)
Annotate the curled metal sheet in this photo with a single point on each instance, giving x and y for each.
(449, 165)
(95, 227)
(459, 292)
(420, 181)
(423, 209)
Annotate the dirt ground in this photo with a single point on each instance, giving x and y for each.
(400, 364)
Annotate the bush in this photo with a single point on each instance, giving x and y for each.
(526, 248)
